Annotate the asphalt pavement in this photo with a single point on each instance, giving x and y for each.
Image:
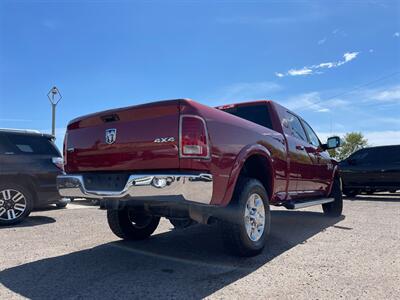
(71, 254)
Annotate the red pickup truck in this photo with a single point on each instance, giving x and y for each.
(189, 162)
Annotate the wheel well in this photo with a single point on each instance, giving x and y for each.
(24, 180)
(259, 167)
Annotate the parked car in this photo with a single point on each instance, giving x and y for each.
(186, 161)
(370, 170)
(29, 165)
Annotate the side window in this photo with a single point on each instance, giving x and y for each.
(360, 154)
(296, 127)
(370, 156)
(312, 137)
(364, 156)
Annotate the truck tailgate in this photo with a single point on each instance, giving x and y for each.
(139, 137)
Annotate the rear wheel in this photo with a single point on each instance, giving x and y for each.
(16, 203)
(130, 225)
(63, 203)
(246, 232)
(181, 223)
(334, 209)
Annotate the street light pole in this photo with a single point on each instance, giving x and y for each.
(54, 97)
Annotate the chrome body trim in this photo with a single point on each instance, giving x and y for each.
(304, 204)
(191, 187)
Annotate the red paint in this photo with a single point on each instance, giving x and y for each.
(231, 140)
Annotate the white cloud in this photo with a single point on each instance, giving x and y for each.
(389, 120)
(348, 56)
(396, 34)
(337, 103)
(386, 94)
(322, 41)
(326, 65)
(314, 69)
(389, 95)
(339, 33)
(378, 138)
(375, 138)
(304, 71)
(312, 101)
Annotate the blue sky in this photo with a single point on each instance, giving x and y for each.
(336, 63)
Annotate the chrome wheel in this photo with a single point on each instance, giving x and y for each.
(12, 204)
(254, 217)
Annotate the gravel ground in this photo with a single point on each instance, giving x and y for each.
(71, 254)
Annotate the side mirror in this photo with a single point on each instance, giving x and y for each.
(332, 143)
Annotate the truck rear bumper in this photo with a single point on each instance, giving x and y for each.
(188, 187)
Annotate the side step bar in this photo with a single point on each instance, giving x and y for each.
(307, 203)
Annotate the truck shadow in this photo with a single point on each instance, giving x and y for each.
(395, 197)
(188, 263)
(32, 221)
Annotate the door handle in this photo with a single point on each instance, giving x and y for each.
(300, 147)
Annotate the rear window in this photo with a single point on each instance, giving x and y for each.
(378, 155)
(258, 114)
(25, 144)
(364, 156)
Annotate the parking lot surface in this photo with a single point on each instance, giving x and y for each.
(72, 254)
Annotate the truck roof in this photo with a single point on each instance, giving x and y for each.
(252, 102)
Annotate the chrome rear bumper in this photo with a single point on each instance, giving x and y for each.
(191, 187)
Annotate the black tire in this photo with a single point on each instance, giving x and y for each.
(335, 208)
(351, 193)
(236, 238)
(61, 205)
(369, 192)
(28, 199)
(181, 223)
(392, 191)
(95, 202)
(129, 225)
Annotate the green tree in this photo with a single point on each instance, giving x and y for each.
(352, 142)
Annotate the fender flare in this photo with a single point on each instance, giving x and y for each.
(244, 154)
(334, 174)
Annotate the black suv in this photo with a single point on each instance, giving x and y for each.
(29, 165)
(370, 170)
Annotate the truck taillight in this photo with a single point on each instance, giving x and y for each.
(193, 137)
